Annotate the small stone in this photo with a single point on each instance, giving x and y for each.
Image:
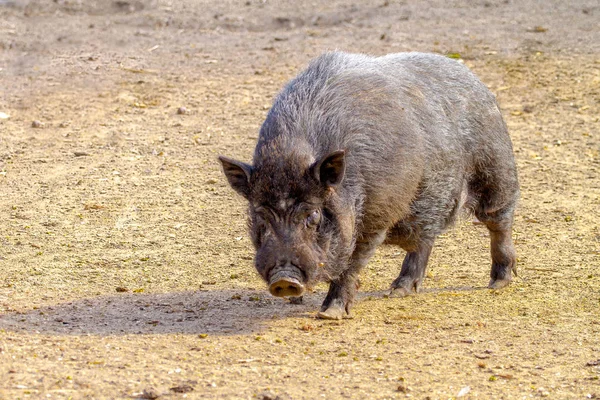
(182, 110)
(464, 391)
(150, 394)
(121, 289)
(182, 389)
(37, 124)
(543, 392)
(528, 109)
(268, 395)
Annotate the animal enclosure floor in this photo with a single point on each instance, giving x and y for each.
(125, 266)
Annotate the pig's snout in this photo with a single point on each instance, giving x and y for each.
(286, 287)
(286, 282)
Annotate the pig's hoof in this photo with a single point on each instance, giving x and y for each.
(400, 292)
(296, 300)
(333, 312)
(499, 283)
(404, 286)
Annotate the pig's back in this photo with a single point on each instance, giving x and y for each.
(424, 101)
(407, 121)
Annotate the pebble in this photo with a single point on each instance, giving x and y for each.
(268, 395)
(182, 389)
(464, 391)
(150, 394)
(543, 392)
(37, 124)
(182, 110)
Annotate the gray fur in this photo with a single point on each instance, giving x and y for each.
(422, 136)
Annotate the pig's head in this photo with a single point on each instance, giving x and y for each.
(292, 218)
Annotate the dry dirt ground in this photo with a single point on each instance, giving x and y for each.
(125, 266)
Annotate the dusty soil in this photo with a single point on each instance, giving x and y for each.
(125, 268)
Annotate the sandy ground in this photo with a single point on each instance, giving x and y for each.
(125, 267)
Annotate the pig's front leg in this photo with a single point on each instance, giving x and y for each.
(342, 290)
(339, 298)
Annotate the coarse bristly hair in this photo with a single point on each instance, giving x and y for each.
(420, 135)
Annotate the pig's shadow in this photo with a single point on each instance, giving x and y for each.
(218, 312)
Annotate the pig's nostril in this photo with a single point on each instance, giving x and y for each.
(286, 287)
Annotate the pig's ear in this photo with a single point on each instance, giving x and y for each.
(329, 170)
(238, 175)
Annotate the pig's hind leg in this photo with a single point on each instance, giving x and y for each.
(499, 223)
(342, 290)
(413, 270)
(497, 192)
(416, 234)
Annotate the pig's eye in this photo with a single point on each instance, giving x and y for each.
(313, 218)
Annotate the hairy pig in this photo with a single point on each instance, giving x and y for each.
(358, 150)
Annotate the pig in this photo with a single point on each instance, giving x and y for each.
(358, 150)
